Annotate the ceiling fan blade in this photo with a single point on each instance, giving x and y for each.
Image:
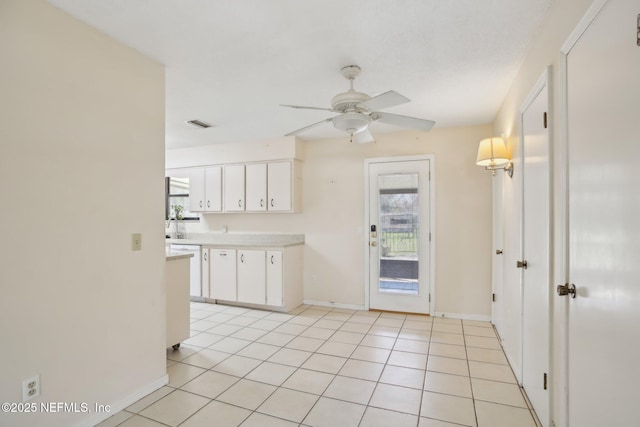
(295, 132)
(363, 136)
(403, 121)
(385, 100)
(302, 107)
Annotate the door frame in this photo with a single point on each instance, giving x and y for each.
(365, 233)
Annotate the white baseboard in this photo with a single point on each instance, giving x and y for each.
(98, 417)
(479, 317)
(334, 304)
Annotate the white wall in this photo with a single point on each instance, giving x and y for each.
(333, 213)
(81, 167)
(562, 18)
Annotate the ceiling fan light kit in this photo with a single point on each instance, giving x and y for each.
(358, 110)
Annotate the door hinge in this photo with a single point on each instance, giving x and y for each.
(493, 297)
(544, 381)
(544, 119)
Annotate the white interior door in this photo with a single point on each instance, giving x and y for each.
(398, 235)
(536, 277)
(603, 96)
(497, 282)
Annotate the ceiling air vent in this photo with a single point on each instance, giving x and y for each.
(198, 123)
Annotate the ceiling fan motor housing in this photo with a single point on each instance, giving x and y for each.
(351, 122)
(347, 101)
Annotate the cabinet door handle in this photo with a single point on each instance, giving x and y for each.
(272, 203)
(242, 258)
(205, 256)
(200, 203)
(272, 260)
(223, 254)
(240, 203)
(208, 203)
(261, 203)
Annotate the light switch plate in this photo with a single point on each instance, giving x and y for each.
(136, 242)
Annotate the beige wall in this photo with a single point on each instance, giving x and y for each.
(81, 166)
(333, 216)
(562, 18)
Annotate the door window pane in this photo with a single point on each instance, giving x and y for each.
(398, 228)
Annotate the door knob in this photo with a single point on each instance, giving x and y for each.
(566, 289)
(522, 264)
(498, 251)
(374, 243)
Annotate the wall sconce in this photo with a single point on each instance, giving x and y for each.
(492, 154)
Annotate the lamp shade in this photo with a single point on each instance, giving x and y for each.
(492, 152)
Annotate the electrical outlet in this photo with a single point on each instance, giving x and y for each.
(136, 242)
(31, 388)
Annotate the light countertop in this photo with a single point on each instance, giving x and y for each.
(240, 240)
(172, 256)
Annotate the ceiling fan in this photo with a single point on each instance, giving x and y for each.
(358, 110)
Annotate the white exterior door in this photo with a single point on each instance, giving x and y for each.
(398, 230)
(536, 274)
(603, 68)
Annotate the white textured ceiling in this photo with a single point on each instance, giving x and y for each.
(232, 62)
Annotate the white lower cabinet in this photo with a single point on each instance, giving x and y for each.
(222, 274)
(251, 276)
(204, 272)
(260, 276)
(274, 278)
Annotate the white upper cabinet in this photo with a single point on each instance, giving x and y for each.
(196, 188)
(279, 186)
(205, 187)
(256, 187)
(234, 200)
(272, 187)
(213, 189)
(253, 187)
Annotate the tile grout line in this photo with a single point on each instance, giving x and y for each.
(473, 399)
(342, 322)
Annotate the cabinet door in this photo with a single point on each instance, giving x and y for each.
(223, 274)
(256, 187)
(279, 186)
(204, 272)
(234, 188)
(196, 189)
(251, 276)
(213, 189)
(274, 278)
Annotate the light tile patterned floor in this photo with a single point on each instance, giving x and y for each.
(319, 366)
